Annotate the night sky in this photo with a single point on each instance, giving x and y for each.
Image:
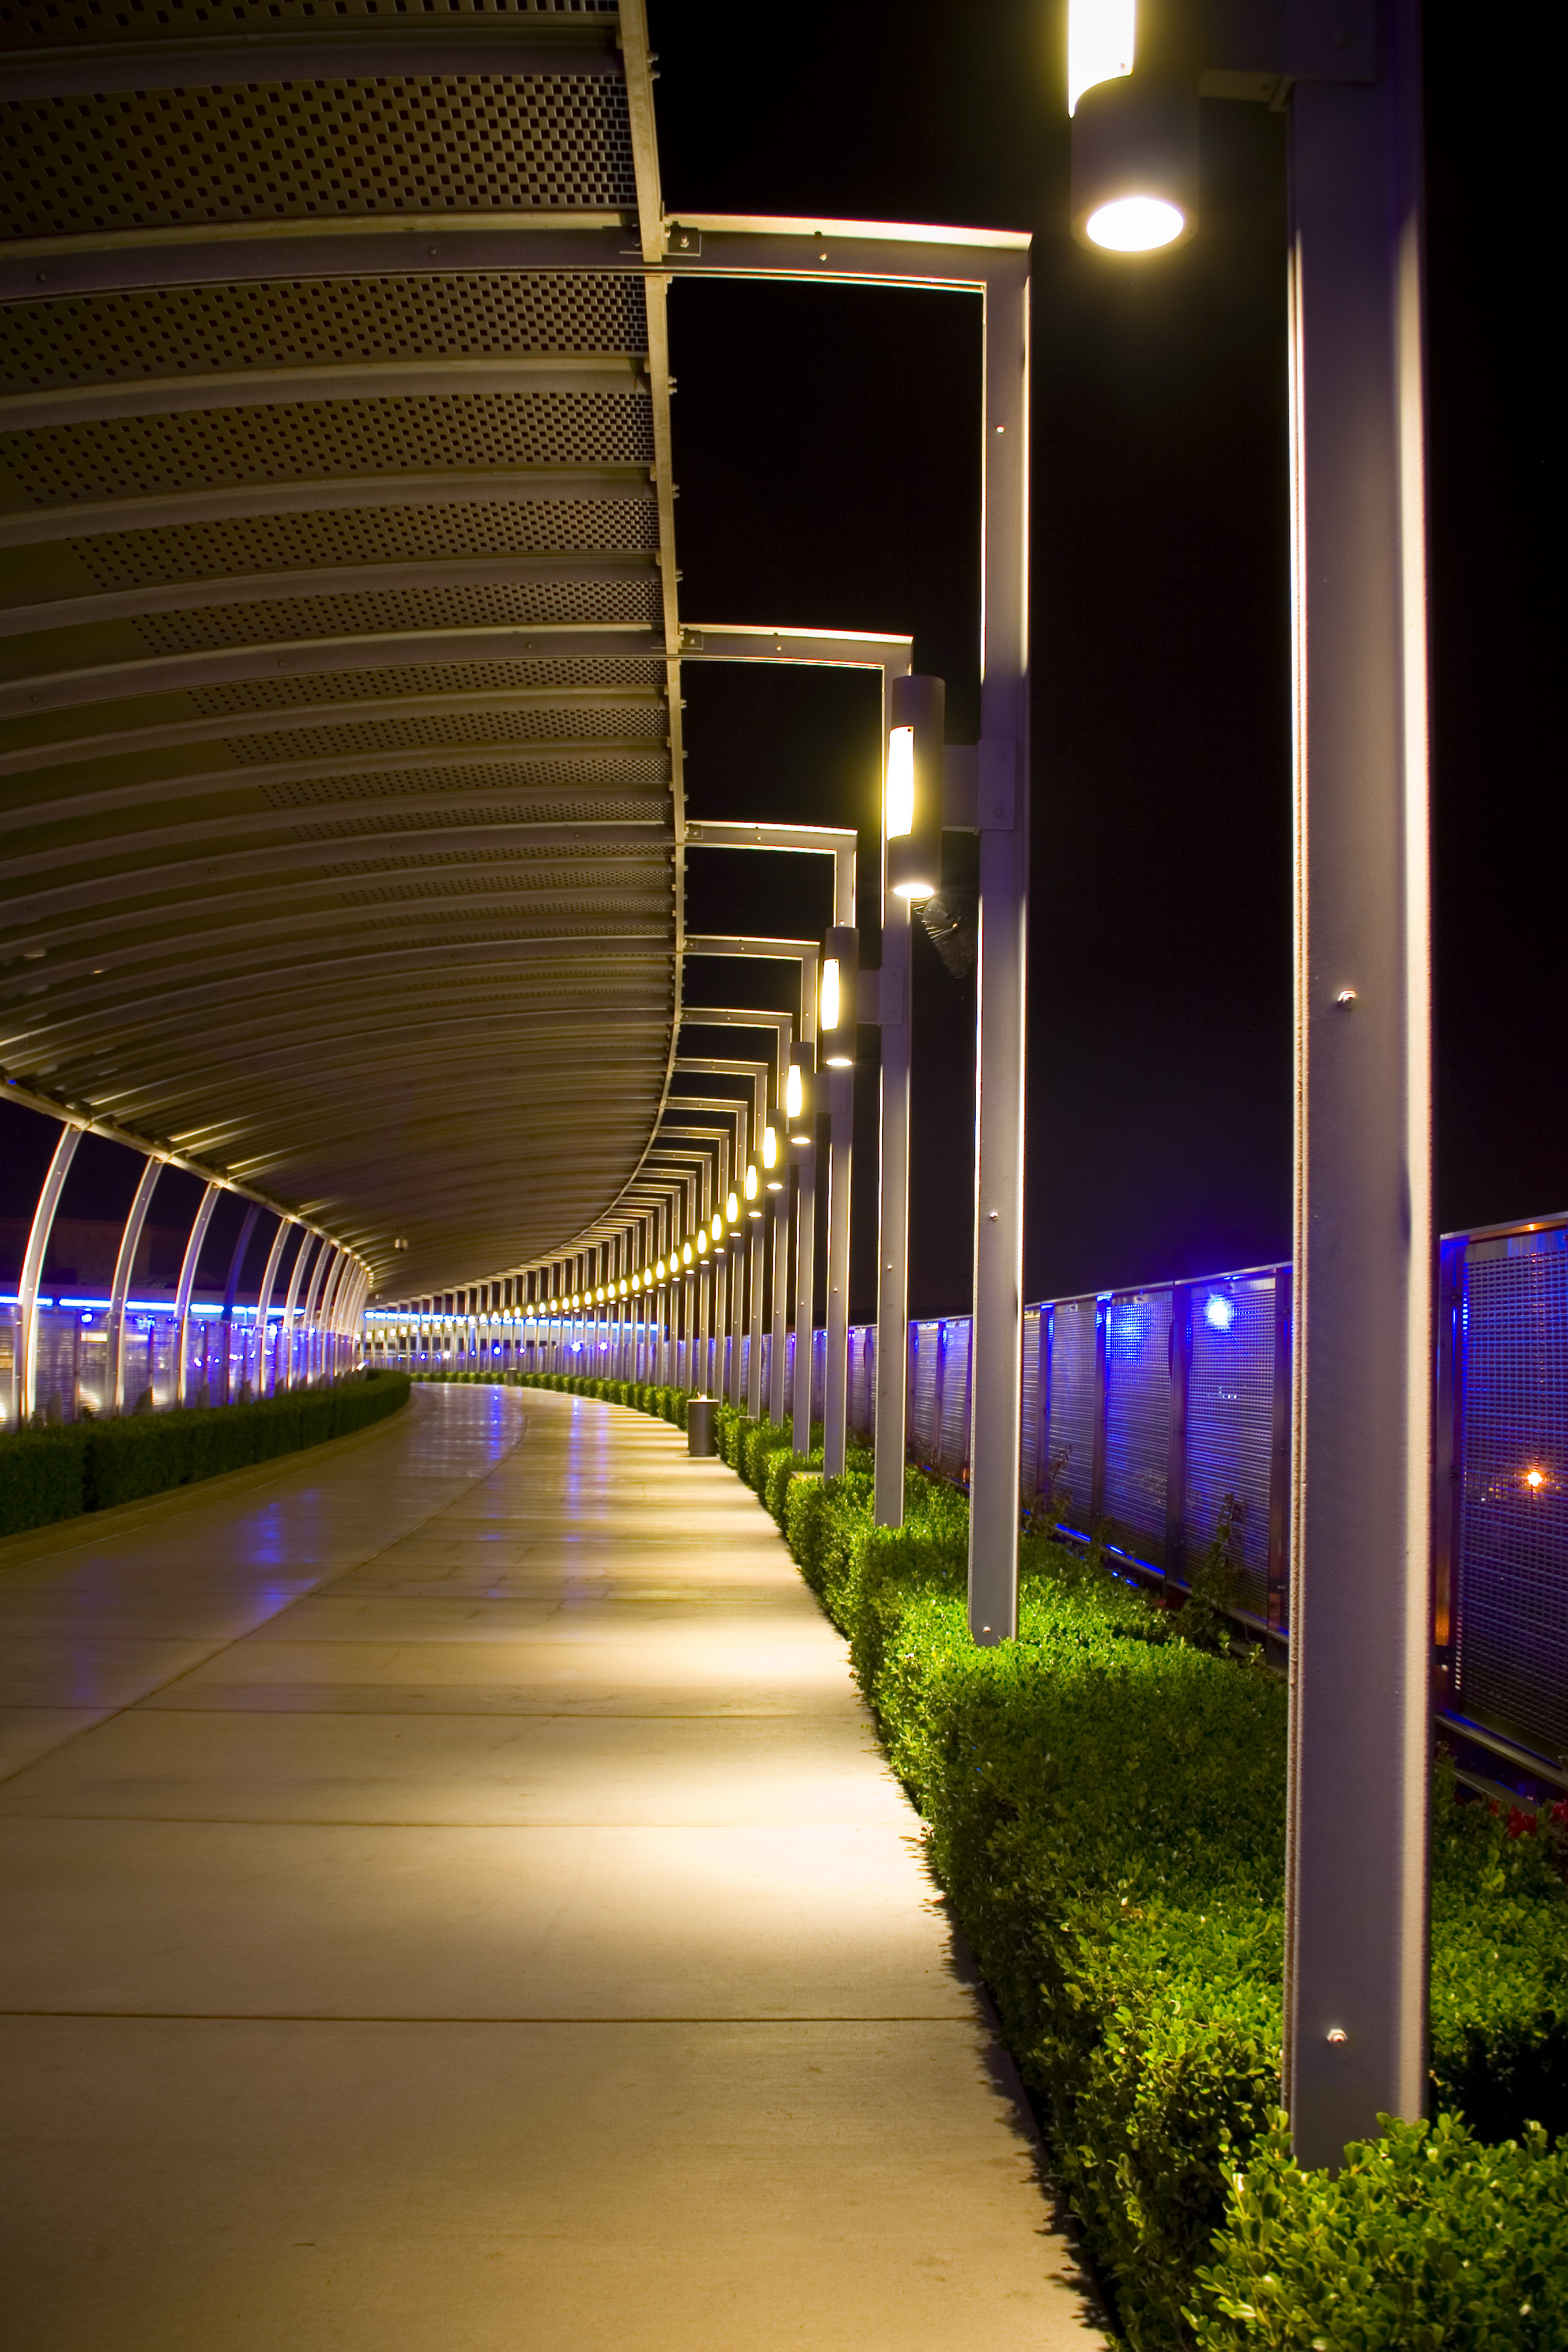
(826, 445)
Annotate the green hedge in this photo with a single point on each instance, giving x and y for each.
(1104, 1804)
(54, 1474)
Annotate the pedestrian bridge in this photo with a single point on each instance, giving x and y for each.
(458, 1866)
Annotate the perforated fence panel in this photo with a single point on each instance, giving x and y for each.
(1511, 1665)
(924, 1346)
(1029, 1462)
(1230, 1400)
(1072, 1409)
(954, 1438)
(1138, 1420)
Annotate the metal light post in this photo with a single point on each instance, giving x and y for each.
(837, 1019)
(1356, 1962)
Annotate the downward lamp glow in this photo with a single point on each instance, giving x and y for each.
(1135, 225)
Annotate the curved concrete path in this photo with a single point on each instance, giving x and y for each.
(455, 1901)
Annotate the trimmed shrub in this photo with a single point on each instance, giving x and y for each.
(93, 1465)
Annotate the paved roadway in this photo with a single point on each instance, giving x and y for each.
(455, 1902)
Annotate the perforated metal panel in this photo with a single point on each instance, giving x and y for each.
(391, 534)
(418, 679)
(159, 159)
(1030, 1433)
(600, 810)
(1230, 1408)
(1072, 1409)
(59, 23)
(1138, 1420)
(954, 1441)
(496, 605)
(482, 726)
(924, 1346)
(286, 441)
(1511, 1646)
(305, 322)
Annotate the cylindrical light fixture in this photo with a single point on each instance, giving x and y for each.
(753, 1182)
(1134, 128)
(836, 990)
(733, 1210)
(686, 1253)
(912, 800)
(718, 1227)
(769, 1146)
(702, 1241)
(798, 1092)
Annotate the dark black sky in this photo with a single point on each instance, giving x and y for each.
(826, 448)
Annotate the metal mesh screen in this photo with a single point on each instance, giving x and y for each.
(954, 1441)
(201, 330)
(286, 441)
(1511, 1651)
(925, 1342)
(1028, 1463)
(1138, 1420)
(239, 695)
(1230, 1404)
(480, 727)
(345, 535)
(493, 604)
(1072, 1409)
(162, 159)
(28, 24)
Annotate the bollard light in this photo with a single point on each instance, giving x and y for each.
(836, 1008)
(912, 801)
(1134, 109)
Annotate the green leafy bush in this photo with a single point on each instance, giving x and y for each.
(48, 1474)
(1428, 2239)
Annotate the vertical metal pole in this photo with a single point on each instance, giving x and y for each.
(836, 1370)
(208, 1203)
(737, 1245)
(755, 1233)
(1361, 1521)
(804, 1294)
(120, 1288)
(778, 1366)
(890, 1409)
(24, 1370)
(996, 1344)
(283, 1356)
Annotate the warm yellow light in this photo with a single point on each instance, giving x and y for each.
(702, 1241)
(795, 1096)
(733, 1210)
(776, 1184)
(658, 1270)
(718, 1226)
(599, 1293)
(770, 1146)
(1534, 1478)
(827, 996)
(899, 800)
(625, 1289)
(1100, 36)
(1134, 225)
(751, 1183)
(686, 1253)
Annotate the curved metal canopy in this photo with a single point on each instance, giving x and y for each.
(339, 744)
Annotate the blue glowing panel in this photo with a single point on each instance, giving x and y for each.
(1230, 1421)
(925, 1348)
(859, 1412)
(1511, 1665)
(1138, 1420)
(1029, 1454)
(955, 1435)
(1071, 1448)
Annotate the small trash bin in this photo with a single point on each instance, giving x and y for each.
(699, 1425)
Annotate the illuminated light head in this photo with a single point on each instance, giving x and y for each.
(686, 1253)
(718, 1226)
(1134, 225)
(795, 1096)
(1535, 1479)
(1218, 1312)
(733, 1210)
(900, 800)
(702, 1241)
(752, 1185)
(769, 1146)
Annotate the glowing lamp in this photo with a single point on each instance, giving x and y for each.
(752, 1186)
(658, 1270)
(702, 1241)
(718, 1226)
(795, 1093)
(769, 1146)
(1135, 163)
(1218, 1313)
(836, 989)
(686, 1253)
(1535, 1479)
(912, 801)
(733, 1211)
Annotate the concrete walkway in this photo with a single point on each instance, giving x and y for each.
(455, 1901)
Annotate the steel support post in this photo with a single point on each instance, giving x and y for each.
(778, 1364)
(891, 1407)
(1363, 1353)
(996, 1346)
(24, 1369)
(840, 1164)
(805, 1293)
(756, 1231)
(285, 1347)
(120, 1288)
(187, 1281)
(736, 1246)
